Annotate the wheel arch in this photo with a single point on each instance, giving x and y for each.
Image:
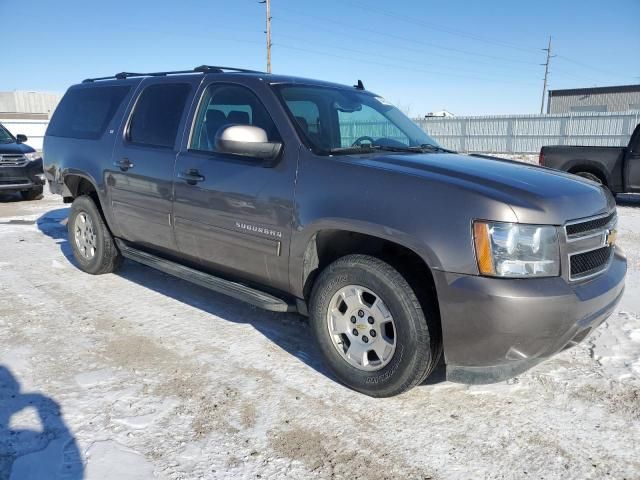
(327, 245)
(592, 168)
(79, 183)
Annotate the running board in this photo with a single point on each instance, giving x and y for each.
(220, 285)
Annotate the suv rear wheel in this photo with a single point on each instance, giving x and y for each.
(92, 243)
(371, 328)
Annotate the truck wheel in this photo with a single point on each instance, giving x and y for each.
(590, 176)
(92, 244)
(371, 328)
(33, 194)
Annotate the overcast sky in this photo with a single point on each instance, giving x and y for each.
(423, 55)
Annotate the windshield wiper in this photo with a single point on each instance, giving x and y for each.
(347, 150)
(424, 148)
(435, 148)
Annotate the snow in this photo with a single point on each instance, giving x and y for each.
(137, 375)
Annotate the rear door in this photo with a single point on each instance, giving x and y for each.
(632, 163)
(232, 215)
(141, 178)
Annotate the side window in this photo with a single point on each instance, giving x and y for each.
(157, 114)
(367, 122)
(224, 105)
(85, 112)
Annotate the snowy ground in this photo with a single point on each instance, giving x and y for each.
(137, 375)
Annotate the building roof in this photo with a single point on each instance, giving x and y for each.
(594, 90)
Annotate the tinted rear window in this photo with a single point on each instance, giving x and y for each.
(86, 112)
(157, 114)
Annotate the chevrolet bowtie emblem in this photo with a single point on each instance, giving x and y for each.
(610, 239)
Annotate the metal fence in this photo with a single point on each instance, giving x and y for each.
(528, 133)
(490, 134)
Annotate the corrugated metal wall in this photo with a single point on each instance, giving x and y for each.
(604, 102)
(528, 133)
(28, 102)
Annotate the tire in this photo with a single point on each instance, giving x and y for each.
(590, 176)
(103, 255)
(33, 194)
(415, 331)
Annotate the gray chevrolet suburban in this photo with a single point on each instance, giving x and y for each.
(305, 196)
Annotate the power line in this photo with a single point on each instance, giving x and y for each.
(584, 65)
(407, 39)
(404, 61)
(404, 47)
(395, 66)
(439, 27)
(401, 38)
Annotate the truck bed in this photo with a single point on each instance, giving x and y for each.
(606, 162)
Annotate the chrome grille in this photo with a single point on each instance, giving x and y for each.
(588, 245)
(12, 160)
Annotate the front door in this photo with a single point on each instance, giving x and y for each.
(141, 178)
(632, 163)
(231, 214)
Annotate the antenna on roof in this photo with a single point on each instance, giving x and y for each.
(359, 85)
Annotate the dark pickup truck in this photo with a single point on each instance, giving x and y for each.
(306, 196)
(617, 168)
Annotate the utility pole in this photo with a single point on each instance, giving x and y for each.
(268, 32)
(546, 74)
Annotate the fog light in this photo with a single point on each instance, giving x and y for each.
(41, 177)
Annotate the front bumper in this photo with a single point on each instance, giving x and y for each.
(494, 329)
(21, 177)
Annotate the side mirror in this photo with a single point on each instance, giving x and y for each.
(20, 138)
(248, 141)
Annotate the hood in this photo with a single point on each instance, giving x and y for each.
(15, 148)
(535, 194)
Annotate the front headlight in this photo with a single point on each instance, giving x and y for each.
(515, 250)
(31, 156)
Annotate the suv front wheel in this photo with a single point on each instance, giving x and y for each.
(371, 328)
(92, 244)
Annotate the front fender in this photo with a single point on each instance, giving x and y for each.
(427, 215)
(303, 239)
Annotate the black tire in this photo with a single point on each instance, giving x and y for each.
(33, 194)
(418, 343)
(107, 258)
(590, 176)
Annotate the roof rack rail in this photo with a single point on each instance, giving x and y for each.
(217, 69)
(200, 69)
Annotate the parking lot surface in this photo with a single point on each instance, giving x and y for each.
(138, 375)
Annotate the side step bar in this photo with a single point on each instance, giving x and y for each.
(220, 285)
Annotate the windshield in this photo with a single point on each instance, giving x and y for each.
(338, 120)
(5, 136)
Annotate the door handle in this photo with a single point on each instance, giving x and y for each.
(191, 176)
(123, 164)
